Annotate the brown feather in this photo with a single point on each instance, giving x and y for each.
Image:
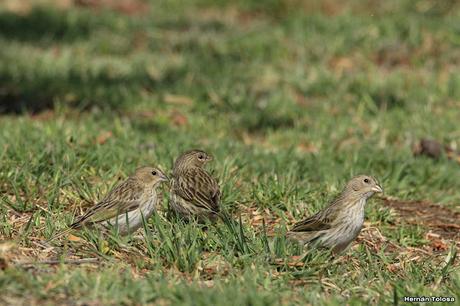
(193, 190)
(337, 225)
(122, 199)
(198, 187)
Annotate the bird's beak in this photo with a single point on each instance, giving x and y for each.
(164, 177)
(210, 158)
(377, 189)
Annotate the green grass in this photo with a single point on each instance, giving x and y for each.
(291, 97)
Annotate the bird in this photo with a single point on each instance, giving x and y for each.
(337, 225)
(126, 205)
(194, 193)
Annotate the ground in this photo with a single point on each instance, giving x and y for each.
(291, 97)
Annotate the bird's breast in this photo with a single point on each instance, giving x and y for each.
(355, 213)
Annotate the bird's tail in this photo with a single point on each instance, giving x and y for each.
(61, 234)
(302, 237)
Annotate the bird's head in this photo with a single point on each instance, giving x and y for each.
(192, 158)
(363, 186)
(150, 175)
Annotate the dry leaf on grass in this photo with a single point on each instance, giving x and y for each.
(74, 238)
(292, 261)
(5, 254)
(178, 100)
(127, 7)
(307, 148)
(178, 119)
(103, 137)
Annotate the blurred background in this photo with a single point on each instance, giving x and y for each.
(272, 58)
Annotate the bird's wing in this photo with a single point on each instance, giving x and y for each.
(122, 199)
(322, 220)
(312, 223)
(198, 187)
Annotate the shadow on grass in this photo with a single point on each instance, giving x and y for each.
(12, 102)
(79, 90)
(46, 24)
(23, 93)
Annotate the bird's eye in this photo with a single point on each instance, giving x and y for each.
(154, 172)
(200, 156)
(366, 181)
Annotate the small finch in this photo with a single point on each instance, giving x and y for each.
(125, 205)
(337, 225)
(194, 192)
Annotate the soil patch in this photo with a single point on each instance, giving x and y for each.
(441, 220)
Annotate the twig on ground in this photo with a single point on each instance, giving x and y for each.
(56, 262)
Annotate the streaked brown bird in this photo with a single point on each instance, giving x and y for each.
(337, 225)
(125, 205)
(195, 194)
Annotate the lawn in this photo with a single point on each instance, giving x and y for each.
(291, 97)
